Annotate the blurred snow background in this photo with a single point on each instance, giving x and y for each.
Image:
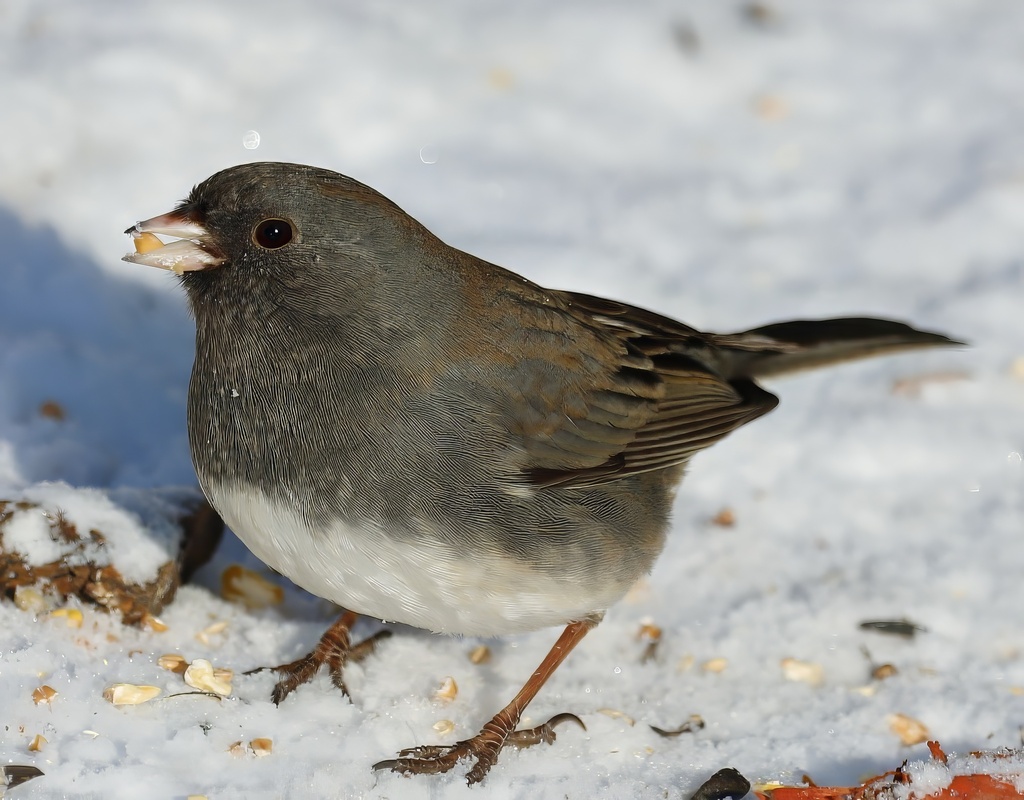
(727, 163)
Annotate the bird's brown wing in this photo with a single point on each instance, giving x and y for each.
(654, 406)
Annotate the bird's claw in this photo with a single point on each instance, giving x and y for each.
(436, 759)
(332, 651)
(484, 748)
(542, 734)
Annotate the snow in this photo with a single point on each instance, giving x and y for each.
(139, 531)
(712, 164)
(28, 533)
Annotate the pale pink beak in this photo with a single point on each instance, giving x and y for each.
(188, 252)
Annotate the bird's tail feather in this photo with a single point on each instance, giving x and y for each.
(807, 344)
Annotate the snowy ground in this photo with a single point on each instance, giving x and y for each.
(724, 164)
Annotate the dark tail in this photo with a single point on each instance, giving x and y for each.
(807, 344)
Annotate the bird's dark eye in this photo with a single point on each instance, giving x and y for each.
(273, 233)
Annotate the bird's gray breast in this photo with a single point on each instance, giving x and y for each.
(321, 463)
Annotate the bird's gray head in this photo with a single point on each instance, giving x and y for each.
(279, 228)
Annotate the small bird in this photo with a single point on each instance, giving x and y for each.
(423, 437)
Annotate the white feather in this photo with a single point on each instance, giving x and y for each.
(428, 583)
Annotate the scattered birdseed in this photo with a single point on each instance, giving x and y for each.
(448, 691)
(444, 727)
(29, 598)
(201, 675)
(129, 694)
(803, 671)
(715, 665)
(724, 518)
(614, 713)
(72, 616)
(481, 654)
(173, 662)
(650, 634)
(155, 624)
(206, 634)
(43, 694)
(261, 747)
(37, 743)
(238, 584)
(910, 730)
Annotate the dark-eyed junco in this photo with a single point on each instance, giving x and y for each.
(423, 437)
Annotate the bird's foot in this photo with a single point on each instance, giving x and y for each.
(334, 650)
(483, 748)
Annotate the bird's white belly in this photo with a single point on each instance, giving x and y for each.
(425, 583)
